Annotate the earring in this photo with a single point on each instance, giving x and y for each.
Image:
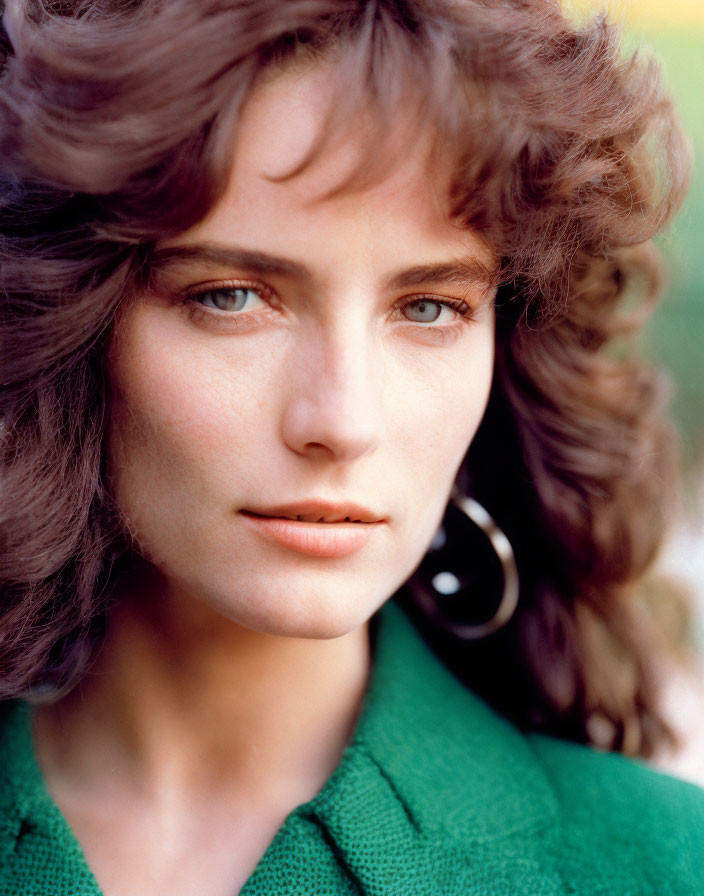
(451, 579)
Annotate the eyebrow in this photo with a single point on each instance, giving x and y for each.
(458, 271)
(258, 262)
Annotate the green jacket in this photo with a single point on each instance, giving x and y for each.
(435, 794)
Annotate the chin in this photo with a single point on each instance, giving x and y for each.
(305, 612)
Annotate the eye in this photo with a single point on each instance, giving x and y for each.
(423, 311)
(229, 298)
(428, 311)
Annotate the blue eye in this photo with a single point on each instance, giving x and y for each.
(428, 310)
(228, 298)
(423, 311)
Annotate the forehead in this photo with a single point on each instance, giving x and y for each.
(301, 121)
(278, 193)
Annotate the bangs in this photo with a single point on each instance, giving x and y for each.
(552, 143)
(391, 90)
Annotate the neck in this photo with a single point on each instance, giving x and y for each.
(181, 698)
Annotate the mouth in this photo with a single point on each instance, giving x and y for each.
(318, 512)
(315, 529)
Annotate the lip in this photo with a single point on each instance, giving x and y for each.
(327, 510)
(315, 539)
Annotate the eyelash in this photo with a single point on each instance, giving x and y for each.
(233, 320)
(227, 319)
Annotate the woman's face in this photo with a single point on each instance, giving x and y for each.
(310, 351)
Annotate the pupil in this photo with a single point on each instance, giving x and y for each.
(424, 311)
(229, 299)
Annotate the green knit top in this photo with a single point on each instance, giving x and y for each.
(435, 794)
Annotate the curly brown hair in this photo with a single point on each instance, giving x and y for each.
(116, 124)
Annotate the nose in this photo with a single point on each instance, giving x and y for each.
(333, 403)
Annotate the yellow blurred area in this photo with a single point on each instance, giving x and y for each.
(643, 13)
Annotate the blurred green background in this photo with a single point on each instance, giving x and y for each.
(673, 31)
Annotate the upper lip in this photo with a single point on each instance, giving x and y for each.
(320, 512)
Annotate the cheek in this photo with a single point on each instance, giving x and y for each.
(444, 401)
(439, 416)
(181, 421)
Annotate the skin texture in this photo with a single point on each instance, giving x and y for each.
(331, 393)
(234, 667)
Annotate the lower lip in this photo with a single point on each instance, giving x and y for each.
(313, 539)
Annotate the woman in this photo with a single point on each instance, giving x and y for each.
(282, 285)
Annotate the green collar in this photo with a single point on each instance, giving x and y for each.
(429, 767)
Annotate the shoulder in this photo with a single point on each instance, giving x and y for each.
(38, 852)
(645, 828)
(17, 782)
(522, 812)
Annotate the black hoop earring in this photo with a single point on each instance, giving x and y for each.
(450, 580)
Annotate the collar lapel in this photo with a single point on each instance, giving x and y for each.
(431, 770)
